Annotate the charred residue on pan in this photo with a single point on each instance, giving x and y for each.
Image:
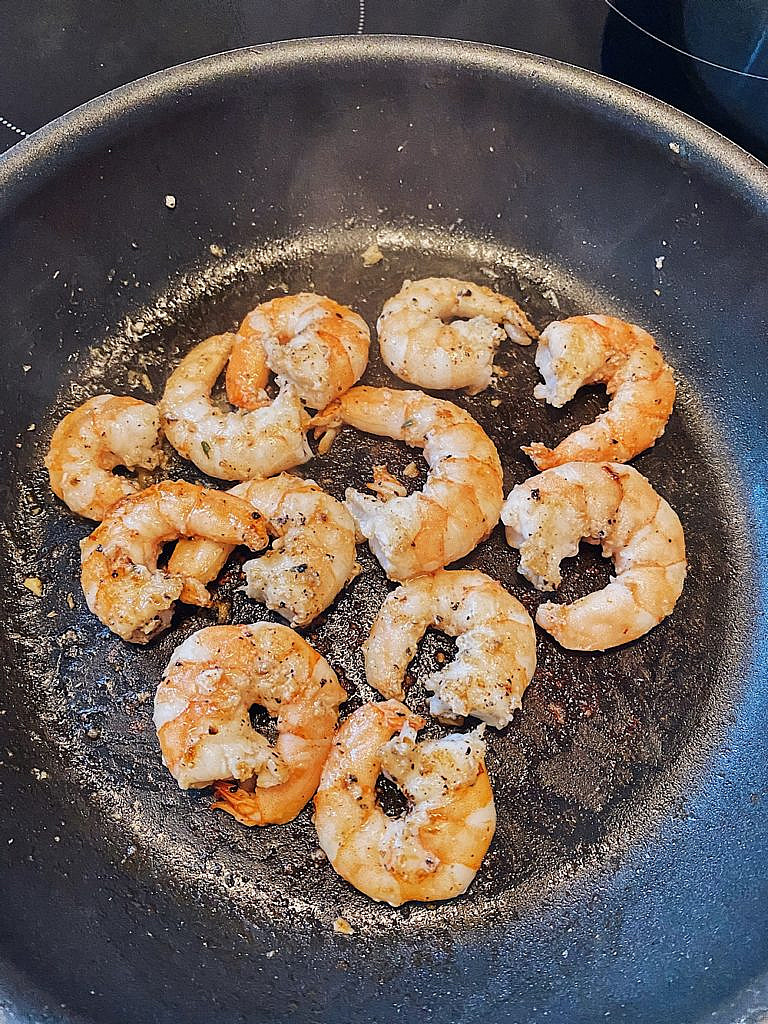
(596, 733)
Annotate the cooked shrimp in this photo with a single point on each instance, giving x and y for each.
(202, 718)
(612, 505)
(122, 584)
(461, 500)
(318, 345)
(433, 851)
(604, 350)
(311, 560)
(247, 373)
(442, 333)
(496, 655)
(90, 442)
(230, 445)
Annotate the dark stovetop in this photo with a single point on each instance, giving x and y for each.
(55, 54)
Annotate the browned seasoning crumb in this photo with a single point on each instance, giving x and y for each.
(440, 658)
(35, 585)
(500, 371)
(372, 255)
(557, 712)
(411, 470)
(70, 601)
(223, 608)
(495, 402)
(342, 926)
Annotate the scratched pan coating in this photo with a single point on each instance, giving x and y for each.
(602, 752)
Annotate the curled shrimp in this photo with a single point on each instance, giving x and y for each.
(318, 345)
(202, 718)
(496, 645)
(310, 562)
(435, 849)
(103, 433)
(123, 586)
(225, 444)
(442, 333)
(462, 497)
(608, 504)
(604, 350)
(247, 373)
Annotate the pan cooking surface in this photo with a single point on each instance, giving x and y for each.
(601, 738)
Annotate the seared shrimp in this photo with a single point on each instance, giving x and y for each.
(309, 563)
(202, 718)
(103, 433)
(230, 445)
(604, 350)
(318, 345)
(247, 373)
(496, 655)
(433, 851)
(123, 586)
(461, 500)
(442, 333)
(612, 505)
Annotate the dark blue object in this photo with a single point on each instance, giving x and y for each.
(708, 57)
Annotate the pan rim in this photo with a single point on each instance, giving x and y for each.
(39, 156)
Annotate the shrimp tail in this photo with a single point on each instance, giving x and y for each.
(194, 592)
(329, 418)
(397, 716)
(243, 805)
(541, 456)
(326, 426)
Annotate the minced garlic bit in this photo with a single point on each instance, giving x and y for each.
(70, 601)
(372, 255)
(35, 584)
(342, 926)
(217, 250)
(411, 471)
(495, 402)
(170, 202)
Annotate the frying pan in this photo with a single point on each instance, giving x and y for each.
(627, 879)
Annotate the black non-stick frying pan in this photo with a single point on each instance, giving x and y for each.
(627, 879)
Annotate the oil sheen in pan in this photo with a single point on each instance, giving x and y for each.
(599, 738)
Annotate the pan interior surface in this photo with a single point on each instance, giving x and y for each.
(608, 749)
(597, 731)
